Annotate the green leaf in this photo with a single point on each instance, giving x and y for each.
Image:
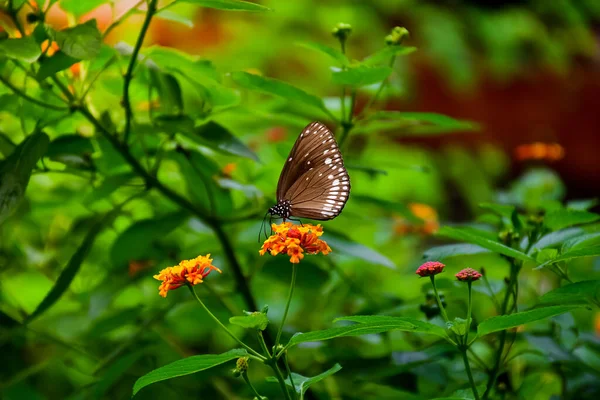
(585, 240)
(256, 320)
(72, 150)
(186, 366)
(419, 326)
(114, 372)
(68, 274)
(504, 322)
(341, 244)
(360, 75)
(108, 186)
(171, 16)
(472, 237)
(277, 88)
(78, 7)
(15, 171)
(414, 124)
(591, 251)
(216, 136)
(579, 293)
(82, 41)
(51, 65)
(352, 330)
(503, 210)
(582, 204)
(452, 250)
(23, 49)
(302, 383)
(6, 145)
(564, 218)
(169, 91)
(384, 56)
(333, 53)
(229, 5)
(555, 238)
(394, 206)
(134, 242)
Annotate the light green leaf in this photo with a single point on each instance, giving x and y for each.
(82, 41)
(394, 206)
(504, 322)
(15, 171)
(556, 238)
(591, 251)
(78, 7)
(384, 56)
(579, 293)
(452, 250)
(277, 88)
(503, 210)
(302, 383)
(343, 245)
(333, 53)
(418, 325)
(256, 320)
(585, 204)
(352, 330)
(216, 136)
(564, 218)
(169, 91)
(472, 237)
(51, 65)
(171, 16)
(585, 240)
(414, 124)
(23, 49)
(229, 5)
(360, 75)
(186, 366)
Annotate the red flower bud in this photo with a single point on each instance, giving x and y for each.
(430, 268)
(468, 275)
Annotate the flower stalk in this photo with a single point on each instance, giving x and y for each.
(287, 305)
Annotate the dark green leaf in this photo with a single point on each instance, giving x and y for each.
(68, 274)
(256, 320)
(334, 54)
(384, 56)
(23, 49)
(418, 325)
(186, 366)
(576, 253)
(72, 150)
(169, 91)
(16, 169)
(6, 145)
(134, 242)
(503, 210)
(579, 293)
(452, 250)
(556, 238)
(82, 41)
(471, 237)
(277, 88)
(503, 322)
(78, 7)
(108, 186)
(341, 244)
(360, 75)
(51, 65)
(216, 136)
(229, 5)
(302, 383)
(114, 372)
(564, 218)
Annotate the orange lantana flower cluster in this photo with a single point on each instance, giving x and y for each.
(188, 271)
(295, 240)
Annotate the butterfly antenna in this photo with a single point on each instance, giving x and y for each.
(262, 226)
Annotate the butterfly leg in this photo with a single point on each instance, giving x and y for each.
(297, 220)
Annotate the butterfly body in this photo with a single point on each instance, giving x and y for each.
(314, 182)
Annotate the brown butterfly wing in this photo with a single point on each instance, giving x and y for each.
(314, 178)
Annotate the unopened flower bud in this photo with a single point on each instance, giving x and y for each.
(242, 364)
(342, 31)
(468, 275)
(396, 37)
(430, 268)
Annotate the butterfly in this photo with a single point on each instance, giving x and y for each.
(314, 182)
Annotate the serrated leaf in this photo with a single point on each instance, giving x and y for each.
(471, 237)
(556, 238)
(81, 42)
(256, 320)
(24, 49)
(578, 293)
(453, 250)
(49, 66)
(334, 54)
(418, 325)
(564, 218)
(302, 383)
(360, 75)
(591, 251)
(186, 366)
(229, 5)
(384, 56)
(584, 240)
(277, 88)
(504, 322)
(341, 244)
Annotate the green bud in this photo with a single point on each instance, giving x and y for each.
(396, 36)
(342, 31)
(242, 364)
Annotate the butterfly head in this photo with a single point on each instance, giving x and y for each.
(282, 209)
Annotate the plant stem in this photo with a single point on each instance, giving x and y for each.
(469, 373)
(468, 314)
(287, 305)
(25, 96)
(439, 301)
(378, 92)
(245, 376)
(289, 372)
(263, 344)
(281, 381)
(131, 66)
(244, 345)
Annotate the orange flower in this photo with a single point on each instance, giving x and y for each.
(539, 151)
(188, 271)
(295, 240)
(430, 223)
(228, 169)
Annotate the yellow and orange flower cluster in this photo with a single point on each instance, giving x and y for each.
(188, 271)
(295, 240)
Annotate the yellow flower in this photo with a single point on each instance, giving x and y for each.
(188, 271)
(295, 240)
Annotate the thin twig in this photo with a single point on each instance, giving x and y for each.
(25, 96)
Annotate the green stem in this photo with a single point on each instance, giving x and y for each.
(263, 344)
(287, 305)
(468, 314)
(245, 376)
(25, 96)
(131, 66)
(244, 345)
(373, 99)
(469, 373)
(281, 380)
(289, 372)
(437, 298)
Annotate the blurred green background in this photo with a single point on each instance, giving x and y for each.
(521, 72)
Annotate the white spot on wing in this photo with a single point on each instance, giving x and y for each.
(327, 160)
(336, 182)
(330, 177)
(290, 159)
